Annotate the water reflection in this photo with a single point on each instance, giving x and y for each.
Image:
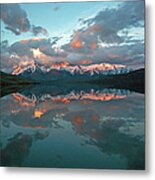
(76, 128)
(18, 148)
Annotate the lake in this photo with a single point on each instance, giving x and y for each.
(73, 128)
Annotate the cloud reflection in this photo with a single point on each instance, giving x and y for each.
(36, 123)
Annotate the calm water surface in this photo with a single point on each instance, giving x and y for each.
(89, 128)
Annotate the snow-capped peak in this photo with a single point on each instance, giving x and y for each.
(102, 68)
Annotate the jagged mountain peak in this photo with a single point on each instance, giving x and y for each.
(64, 68)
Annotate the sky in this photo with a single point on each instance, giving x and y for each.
(79, 33)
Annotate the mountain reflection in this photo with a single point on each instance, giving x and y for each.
(98, 95)
(106, 124)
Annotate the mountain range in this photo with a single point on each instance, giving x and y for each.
(67, 72)
(64, 74)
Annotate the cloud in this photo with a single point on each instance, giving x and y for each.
(16, 20)
(100, 39)
(6, 59)
(12, 30)
(105, 27)
(55, 39)
(25, 51)
(82, 42)
(129, 55)
(109, 37)
(44, 45)
(39, 30)
(111, 21)
(76, 58)
(21, 49)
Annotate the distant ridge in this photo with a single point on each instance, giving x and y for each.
(134, 80)
(8, 79)
(12, 83)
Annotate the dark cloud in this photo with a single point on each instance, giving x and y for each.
(25, 52)
(56, 39)
(24, 47)
(128, 55)
(12, 30)
(6, 60)
(21, 49)
(39, 43)
(111, 21)
(83, 42)
(104, 28)
(47, 50)
(76, 58)
(16, 20)
(39, 30)
(4, 46)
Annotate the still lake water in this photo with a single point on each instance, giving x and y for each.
(73, 128)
